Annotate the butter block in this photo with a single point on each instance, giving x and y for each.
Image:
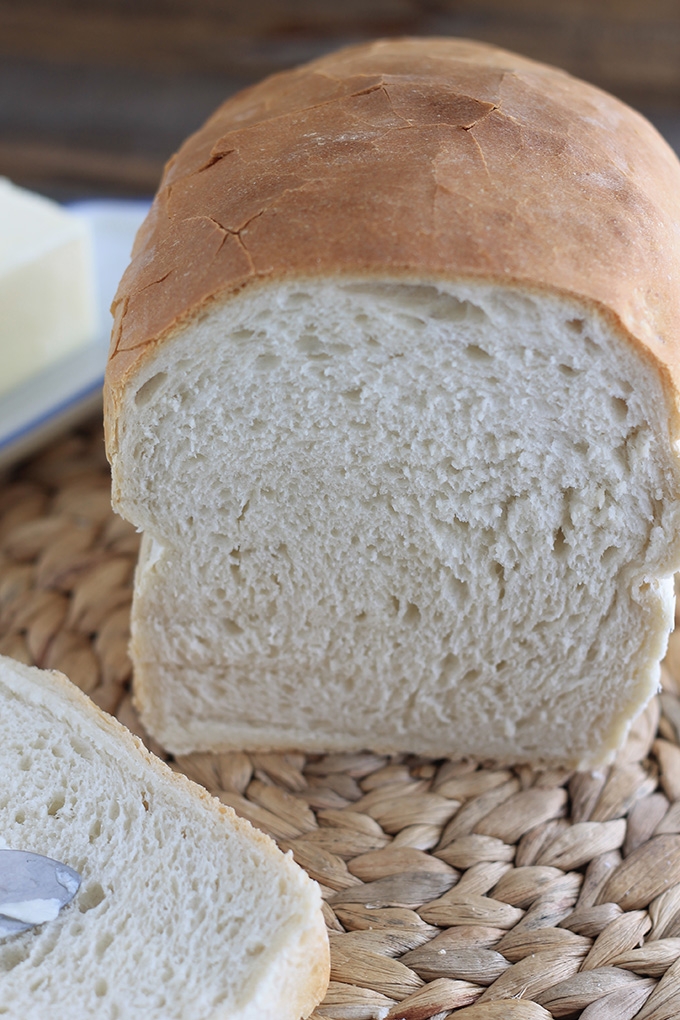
(47, 296)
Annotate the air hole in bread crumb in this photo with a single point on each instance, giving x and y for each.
(354, 395)
(100, 988)
(244, 511)
(449, 309)
(592, 653)
(231, 627)
(310, 344)
(449, 664)
(473, 313)
(458, 588)
(20, 817)
(560, 544)
(12, 956)
(298, 297)
(575, 325)
(569, 370)
(632, 436)
(90, 897)
(25, 763)
(657, 512)
(410, 320)
(499, 571)
(81, 748)
(102, 944)
(266, 362)
(395, 603)
(412, 614)
(470, 676)
(360, 616)
(620, 408)
(56, 804)
(609, 554)
(95, 830)
(148, 389)
(476, 353)
(242, 334)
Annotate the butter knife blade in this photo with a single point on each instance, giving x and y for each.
(33, 889)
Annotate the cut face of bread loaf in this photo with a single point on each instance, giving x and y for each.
(410, 516)
(410, 480)
(185, 911)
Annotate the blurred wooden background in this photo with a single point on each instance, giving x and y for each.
(96, 94)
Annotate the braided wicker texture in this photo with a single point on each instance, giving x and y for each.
(449, 887)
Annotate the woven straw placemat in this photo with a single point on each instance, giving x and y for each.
(449, 887)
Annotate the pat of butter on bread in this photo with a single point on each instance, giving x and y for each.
(47, 296)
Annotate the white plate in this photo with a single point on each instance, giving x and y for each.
(51, 401)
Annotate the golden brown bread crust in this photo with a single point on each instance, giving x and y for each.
(418, 158)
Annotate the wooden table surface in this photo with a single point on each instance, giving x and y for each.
(96, 94)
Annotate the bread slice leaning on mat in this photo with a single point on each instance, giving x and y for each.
(185, 912)
(392, 395)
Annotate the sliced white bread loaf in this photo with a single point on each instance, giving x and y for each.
(185, 912)
(392, 395)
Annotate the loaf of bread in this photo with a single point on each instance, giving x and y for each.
(392, 395)
(185, 912)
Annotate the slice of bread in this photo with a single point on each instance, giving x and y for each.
(185, 912)
(393, 396)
